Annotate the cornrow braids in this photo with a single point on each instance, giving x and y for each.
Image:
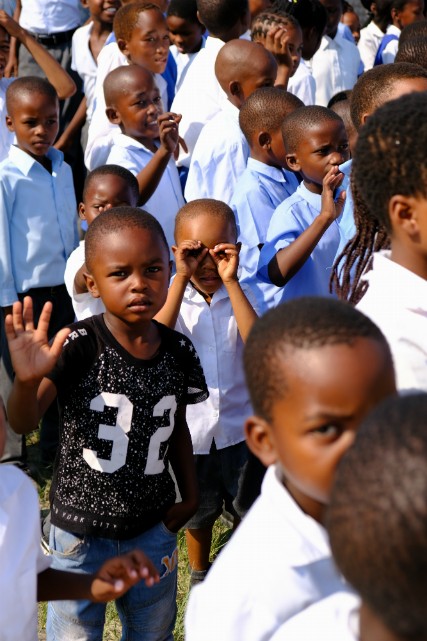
(263, 22)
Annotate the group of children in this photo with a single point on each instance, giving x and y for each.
(143, 342)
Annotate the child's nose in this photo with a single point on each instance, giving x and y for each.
(138, 282)
(336, 158)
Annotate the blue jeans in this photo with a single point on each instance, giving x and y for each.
(146, 614)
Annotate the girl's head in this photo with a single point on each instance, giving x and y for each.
(265, 21)
(312, 18)
(185, 30)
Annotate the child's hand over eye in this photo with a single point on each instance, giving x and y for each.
(120, 573)
(276, 42)
(188, 255)
(168, 127)
(331, 208)
(226, 257)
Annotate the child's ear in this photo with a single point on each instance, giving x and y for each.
(91, 285)
(113, 115)
(84, 3)
(122, 45)
(264, 140)
(292, 162)
(257, 432)
(9, 123)
(82, 212)
(403, 212)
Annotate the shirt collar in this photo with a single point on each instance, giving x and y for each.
(25, 162)
(393, 30)
(231, 110)
(191, 293)
(126, 141)
(314, 200)
(278, 175)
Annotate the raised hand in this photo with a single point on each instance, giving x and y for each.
(188, 256)
(330, 207)
(226, 258)
(168, 131)
(32, 356)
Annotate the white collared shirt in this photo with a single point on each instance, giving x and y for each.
(335, 67)
(277, 563)
(370, 40)
(219, 157)
(84, 305)
(390, 50)
(21, 557)
(167, 198)
(50, 16)
(183, 62)
(396, 300)
(302, 84)
(214, 333)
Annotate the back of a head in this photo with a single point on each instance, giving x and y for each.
(264, 21)
(298, 124)
(303, 324)
(375, 85)
(377, 519)
(26, 86)
(265, 110)
(127, 16)
(310, 14)
(413, 50)
(113, 221)
(241, 59)
(221, 16)
(205, 207)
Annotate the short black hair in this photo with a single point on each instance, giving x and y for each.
(341, 96)
(413, 50)
(29, 85)
(219, 16)
(127, 17)
(377, 518)
(304, 323)
(375, 85)
(301, 121)
(309, 13)
(414, 30)
(112, 170)
(265, 109)
(115, 220)
(263, 22)
(185, 9)
(203, 206)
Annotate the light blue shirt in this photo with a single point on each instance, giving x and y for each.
(346, 223)
(38, 223)
(259, 191)
(289, 221)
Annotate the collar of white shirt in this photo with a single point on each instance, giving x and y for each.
(191, 293)
(314, 200)
(267, 170)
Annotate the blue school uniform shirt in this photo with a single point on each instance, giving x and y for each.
(38, 223)
(259, 191)
(289, 220)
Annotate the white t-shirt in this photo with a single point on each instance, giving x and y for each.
(21, 557)
(183, 62)
(85, 305)
(396, 300)
(84, 63)
(303, 85)
(276, 564)
(370, 40)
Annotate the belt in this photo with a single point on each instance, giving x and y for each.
(53, 39)
(49, 291)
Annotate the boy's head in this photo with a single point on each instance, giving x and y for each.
(377, 518)
(211, 222)
(381, 84)
(265, 21)
(340, 103)
(413, 50)
(315, 140)
(101, 11)
(133, 102)
(406, 12)
(314, 368)
(184, 27)
(351, 20)
(106, 187)
(241, 67)
(33, 114)
(224, 19)
(261, 118)
(312, 18)
(142, 35)
(4, 50)
(127, 258)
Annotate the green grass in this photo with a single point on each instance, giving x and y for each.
(112, 630)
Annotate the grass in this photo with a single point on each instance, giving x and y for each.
(112, 630)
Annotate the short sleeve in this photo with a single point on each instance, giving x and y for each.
(197, 390)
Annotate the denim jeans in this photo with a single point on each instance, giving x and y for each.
(146, 614)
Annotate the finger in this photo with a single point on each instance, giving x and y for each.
(58, 342)
(46, 313)
(17, 320)
(27, 313)
(145, 566)
(183, 144)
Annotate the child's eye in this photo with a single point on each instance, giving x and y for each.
(329, 430)
(120, 273)
(153, 269)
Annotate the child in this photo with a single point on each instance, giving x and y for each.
(143, 39)
(266, 181)
(207, 303)
(372, 34)
(105, 187)
(37, 217)
(303, 235)
(133, 104)
(401, 13)
(224, 20)
(123, 383)
(221, 151)
(187, 35)
(26, 570)
(351, 20)
(340, 104)
(59, 78)
(306, 415)
(392, 220)
(335, 66)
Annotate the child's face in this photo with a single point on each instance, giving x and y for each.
(35, 121)
(352, 21)
(329, 390)
(321, 148)
(295, 46)
(411, 12)
(138, 107)
(149, 43)
(185, 35)
(4, 50)
(102, 10)
(210, 231)
(105, 192)
(334, 12)
(130, 273)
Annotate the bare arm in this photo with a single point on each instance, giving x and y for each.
(74, 127)
(289, 260)
(56, 75)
